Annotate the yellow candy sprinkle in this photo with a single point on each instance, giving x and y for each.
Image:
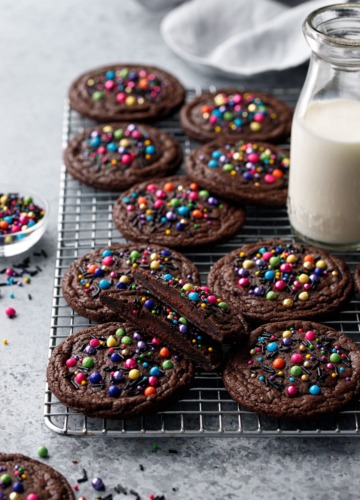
(168, 231)
(321, 264)
(107, 128)
(291, 259)
(308, 356)
(210, 349)
(80, 276)
(218, 129)
(303, 296)
(255, 127)
(233, 172)
(83, 382)
(303, 278)
(130, 100)
(203, 305)
(5, 342)
(87, 285)
(247, 264)
(111, 341)
(333, 375)
(242, 254)
(287, 334)
(154, 265)
(134, 265)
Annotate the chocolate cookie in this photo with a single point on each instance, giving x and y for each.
(276, 280)
(294, 369)
(235, 114)
(357, 278)
(116, 371)
(175, 212)
(116, 156)
(158, 319)
(197, 303)
(22, 477)
(111, 268)
(121, 92)
(254, 173)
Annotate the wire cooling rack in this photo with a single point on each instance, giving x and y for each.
(85, 223)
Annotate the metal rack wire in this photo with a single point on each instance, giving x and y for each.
(85, 223)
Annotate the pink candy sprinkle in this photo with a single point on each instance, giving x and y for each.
(10, 311)
(71, 362)
(270, 179)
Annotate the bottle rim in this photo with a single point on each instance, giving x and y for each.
(335, 11)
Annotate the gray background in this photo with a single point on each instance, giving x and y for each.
(44, 45)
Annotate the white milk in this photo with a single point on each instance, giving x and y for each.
(324, 185)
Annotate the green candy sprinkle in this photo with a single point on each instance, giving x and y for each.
(119, 134)
(167, 364)
(5, 479)
(204, 193)
(97, 95)
(271, 296)
(223, 305)
(124, 72)
(126, 340)
(228, 167)
(228, 116)
(183, 320)
(120, 332)
(196, 226)
(274, 261)
(87, 362)
(42, 451)
(335, 358)
(134, 255)
(296, 371)
(175, 202)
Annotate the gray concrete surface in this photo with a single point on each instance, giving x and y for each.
(43, 46)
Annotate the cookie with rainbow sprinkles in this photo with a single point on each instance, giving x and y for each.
(115, 370)
(236, 114)
(244, 171)
(111, 268)
(22, 477)
(117, 155)
(176, 212)
(122, 92)
(294, 369)
(275, 280)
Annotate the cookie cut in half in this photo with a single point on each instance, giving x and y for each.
(151, 315)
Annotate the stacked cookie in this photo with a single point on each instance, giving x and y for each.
(157, 320)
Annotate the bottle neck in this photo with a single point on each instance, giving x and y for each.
(333, 34)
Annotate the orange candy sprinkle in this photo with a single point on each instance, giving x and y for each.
(92, 268)
(169, 186)
(141, 200)
(197, 214)
(277, 173)
(194, 186)
(164, 352)
(149, 391)
(279, 363)
(4, 224)
(309, 258)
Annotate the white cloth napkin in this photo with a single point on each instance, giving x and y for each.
(239, 37)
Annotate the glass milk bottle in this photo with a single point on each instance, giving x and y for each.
(324, 184)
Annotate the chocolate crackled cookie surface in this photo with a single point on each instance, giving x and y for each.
(151, 315)
(126, 92)
(275, 280)
(175, 212)
(116, 156)
(22, 477)
(254, 173)
(111, 268)
(294, 369)
(116, 371)
(231, 113)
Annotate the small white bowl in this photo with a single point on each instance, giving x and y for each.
(15, 243)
